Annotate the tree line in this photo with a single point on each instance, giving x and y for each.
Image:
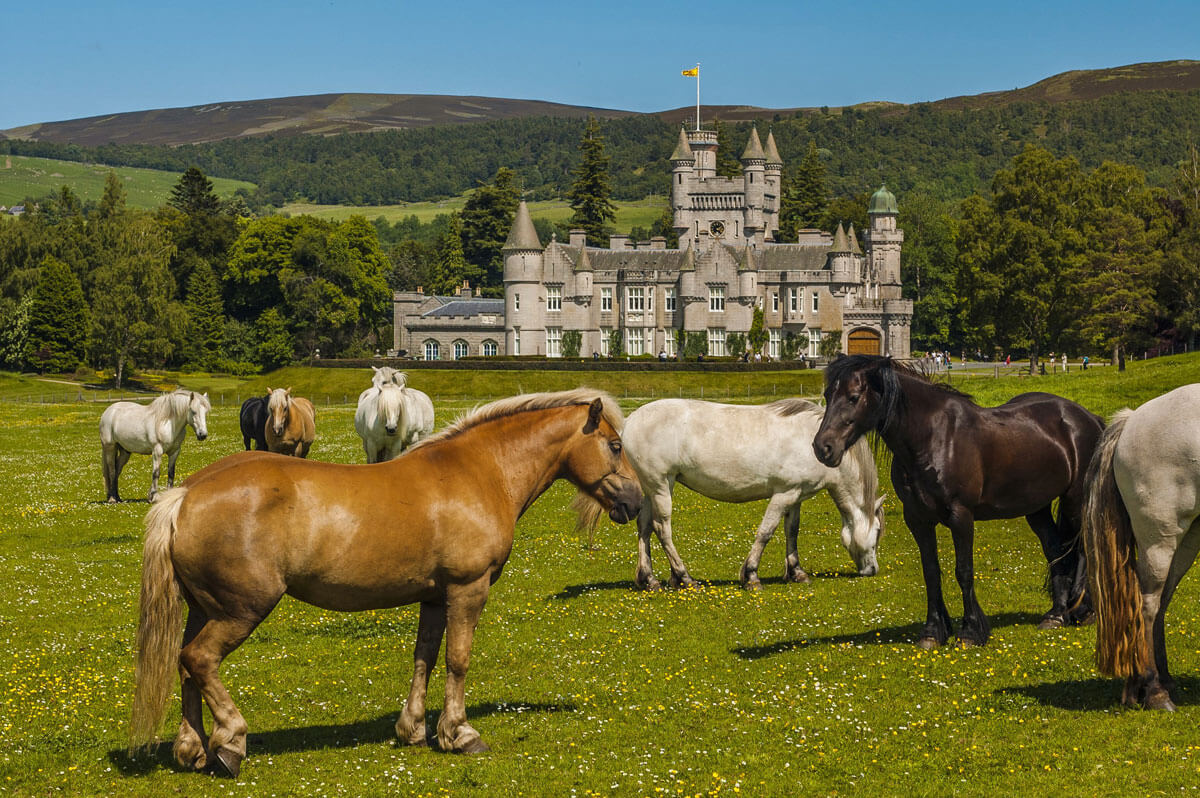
(947, 154)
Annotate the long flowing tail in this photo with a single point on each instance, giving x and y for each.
(1121, 647)
(160, 628)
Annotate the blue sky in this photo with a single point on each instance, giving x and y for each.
(69, 59)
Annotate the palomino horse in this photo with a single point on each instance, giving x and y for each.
(253, 419)
(438, 530)
(954, 462)
(740, 453)
(151, 429)
(389, 419)
(384, 374)
(1141, 532)
(291, 423)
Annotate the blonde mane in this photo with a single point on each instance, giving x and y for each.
(502, 408)
(793, 406)
(171, 405)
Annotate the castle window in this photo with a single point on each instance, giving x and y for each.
(516, 301)
(488, 349)
(635, 297)
(716, 342)
(773, 340)
(554, 297)
(816, 301)
(669, 343)
(775, 302)
(431, 350)
(793, 298)
(669, 299)
(554, 342)
(716, 299)
(605, 335)
(635, 341)
(461, 349)
(606, 300)
(517, 344)
(814, 342)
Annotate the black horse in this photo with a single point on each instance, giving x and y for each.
(254, 422)
(954, 462)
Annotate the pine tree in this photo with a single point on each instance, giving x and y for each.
(805, 196)
(451, 267)
(589, 194)
(206, 318)
(194, 194)
(728, 164)
(58, 319)
(487, 218)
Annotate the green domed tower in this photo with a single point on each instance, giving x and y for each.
(884, 240)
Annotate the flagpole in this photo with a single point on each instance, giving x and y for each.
(697, 95)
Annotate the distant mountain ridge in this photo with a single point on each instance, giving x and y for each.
(330, 114)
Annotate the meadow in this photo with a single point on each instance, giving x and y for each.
(581, 685)
(630, 214)
(22, 176)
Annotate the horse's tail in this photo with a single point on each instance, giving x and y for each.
(1121, 648)
(160, 627)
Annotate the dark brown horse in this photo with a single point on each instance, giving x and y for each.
(954, 463)
(434, 526)
(253, 420)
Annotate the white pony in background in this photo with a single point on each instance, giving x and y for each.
(127, 427)
(391, 416)
(740, 453)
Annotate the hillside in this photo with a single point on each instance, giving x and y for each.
(319, 114)
(22, 177)
(332, 114)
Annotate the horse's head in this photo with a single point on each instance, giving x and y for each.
(861, 538)
(198, 407)
(860, 394)
(596, 463)
(390, 407)
(278, 402)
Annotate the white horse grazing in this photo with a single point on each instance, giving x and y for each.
(389, 419)
(152, 429)
(1141, 533)
(740, 453)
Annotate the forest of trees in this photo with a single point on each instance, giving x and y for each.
(947, 154)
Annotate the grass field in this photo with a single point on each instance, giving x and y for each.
(22, 177)
(581, 685)
(639, 213)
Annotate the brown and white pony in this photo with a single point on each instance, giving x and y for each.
(248, 529)
(291, 423)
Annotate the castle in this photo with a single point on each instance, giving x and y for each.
(727, 264)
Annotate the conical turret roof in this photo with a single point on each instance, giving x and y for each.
(584, 264)
(840, 242)
(754, 150)
(683, 150)
(773, 158)
(522, 235)
(855, 249)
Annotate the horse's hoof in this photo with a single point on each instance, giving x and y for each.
(651, 585)
(113, 499)
(1084, 620)
(684, 582)
(476, 746)
(966, 642)
(799, 577)
(227, 764)
(1051, 622)
(753, 585)
(928, 643)
(1160, 700)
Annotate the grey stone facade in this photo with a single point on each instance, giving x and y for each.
(728, 263)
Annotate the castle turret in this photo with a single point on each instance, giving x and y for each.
(703, 144)
(774, 188)
(884, 240)
(841, 260)
(522, 254)
(754, 162)
(683, 163)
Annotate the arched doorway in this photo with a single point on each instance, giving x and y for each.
(863, 342)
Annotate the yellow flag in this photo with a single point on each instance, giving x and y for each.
(694, 72)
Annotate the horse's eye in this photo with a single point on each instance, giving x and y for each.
(615, 446)
(853, 398)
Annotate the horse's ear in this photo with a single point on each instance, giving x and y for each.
(289, 390)
(595, 412)
(879, 503)
(270, 391)
(375, 369)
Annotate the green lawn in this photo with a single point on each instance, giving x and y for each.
(22, 177)
(581, 685)
(639, 213)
